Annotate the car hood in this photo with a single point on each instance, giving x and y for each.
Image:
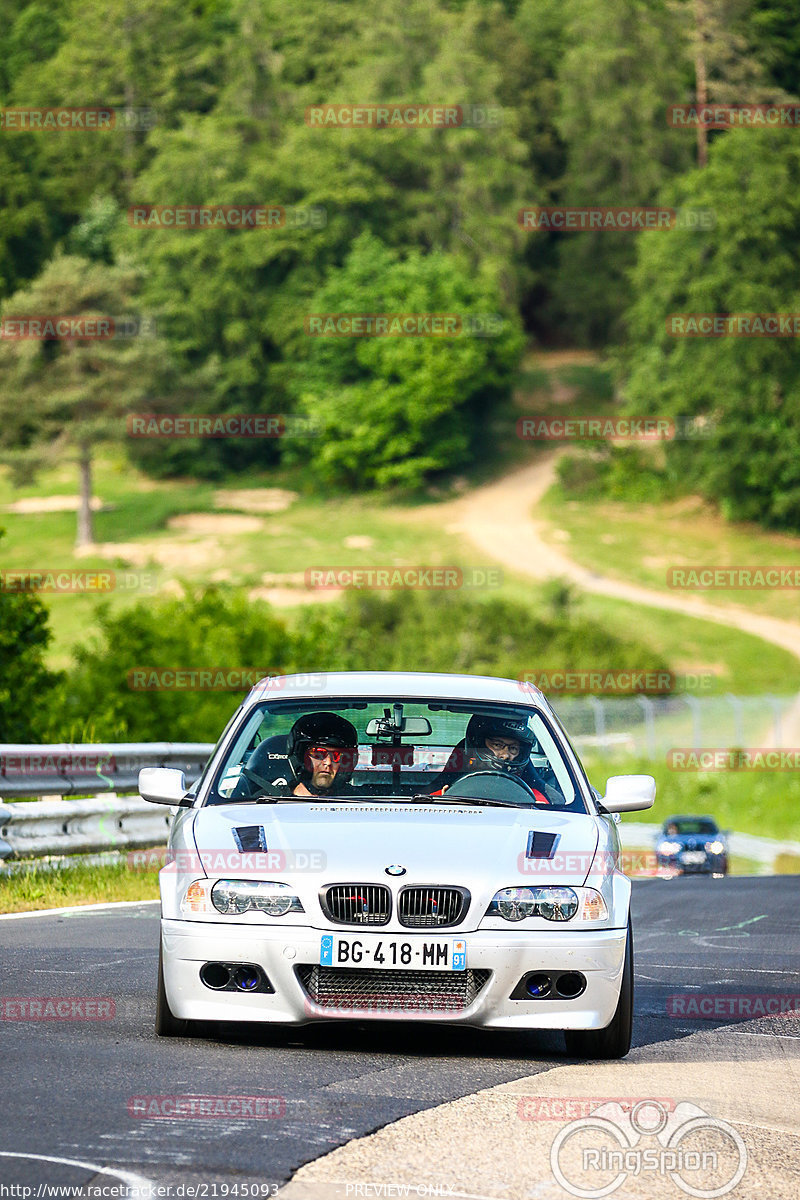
(435, 844)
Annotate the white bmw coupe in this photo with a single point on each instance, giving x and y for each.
(386, 845)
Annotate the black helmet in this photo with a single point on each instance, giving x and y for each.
(322, 729)
(481, 728)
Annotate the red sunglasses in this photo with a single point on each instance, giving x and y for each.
(321, 752)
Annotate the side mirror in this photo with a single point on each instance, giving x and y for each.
(629, 793)
(162, 785)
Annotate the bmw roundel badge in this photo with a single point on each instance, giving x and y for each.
(395, 869)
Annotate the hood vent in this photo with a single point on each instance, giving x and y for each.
(540, 844)
(250, 837)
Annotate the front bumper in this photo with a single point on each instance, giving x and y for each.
(597, 954)
(712, 864)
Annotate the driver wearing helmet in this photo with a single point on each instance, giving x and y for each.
(497, 744)
(322, 751)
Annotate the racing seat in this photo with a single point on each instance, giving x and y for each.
(269, 762)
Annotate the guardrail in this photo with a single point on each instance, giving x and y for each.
(55, 825)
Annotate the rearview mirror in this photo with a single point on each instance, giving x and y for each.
(629, 793)
(409, 727)
(162, 785)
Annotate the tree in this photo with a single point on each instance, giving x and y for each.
(234, 302)
(26, 685)
(741, 393)
(72, 390)
(396, 409)
(623, 64)
(726, 70)
(217, 630)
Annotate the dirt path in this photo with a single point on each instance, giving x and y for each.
(496, 518)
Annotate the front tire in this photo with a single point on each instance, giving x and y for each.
(615, 1040)
(167, 1025)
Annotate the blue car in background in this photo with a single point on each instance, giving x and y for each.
(690, 845)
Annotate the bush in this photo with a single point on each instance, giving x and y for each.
(221, 630)
(616, 473)
(25, 682)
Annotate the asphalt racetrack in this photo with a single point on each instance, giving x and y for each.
(69, 1087)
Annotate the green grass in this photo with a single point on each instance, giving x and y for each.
(641, 542)
(27, 891)
(765, 803)
(313, 532)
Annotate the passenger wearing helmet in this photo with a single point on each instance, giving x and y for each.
(497, 744)
(322, 751)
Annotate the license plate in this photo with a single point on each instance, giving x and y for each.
(417, 954)
(691, 857)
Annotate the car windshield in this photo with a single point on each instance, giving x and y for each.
(447, 752)
(692, 826)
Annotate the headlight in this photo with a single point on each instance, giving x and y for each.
(715, 847)
(552, 903)
(669, 847)
(240, 895)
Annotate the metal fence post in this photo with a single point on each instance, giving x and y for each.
(649, 724)
(738, 725)
(697, 723)
(599, 721)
